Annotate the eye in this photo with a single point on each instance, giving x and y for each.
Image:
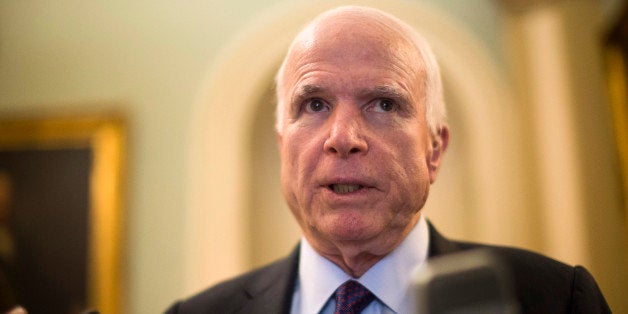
(384, 105)
(316, 105)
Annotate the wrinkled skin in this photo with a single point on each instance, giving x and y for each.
(357, 155)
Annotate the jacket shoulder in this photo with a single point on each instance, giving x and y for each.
(545, 285)
(271, 284)
(541, 284)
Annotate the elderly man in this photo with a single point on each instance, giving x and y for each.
(362, 132)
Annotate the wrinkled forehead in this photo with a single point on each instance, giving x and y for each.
(353, 33)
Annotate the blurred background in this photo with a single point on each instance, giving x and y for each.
(535, 92)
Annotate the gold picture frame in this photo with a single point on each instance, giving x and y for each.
(616, 58)
(103, 139)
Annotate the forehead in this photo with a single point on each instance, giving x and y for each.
(350, 56)
(353, 36)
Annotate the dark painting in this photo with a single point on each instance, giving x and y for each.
(46, 223)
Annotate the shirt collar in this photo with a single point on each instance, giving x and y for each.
(388, 279)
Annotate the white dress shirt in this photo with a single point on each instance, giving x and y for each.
(388, 280)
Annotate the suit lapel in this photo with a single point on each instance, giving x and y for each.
(439, 245)
(271, 291)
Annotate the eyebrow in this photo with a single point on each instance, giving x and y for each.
(302, 93)
(306, 91)
(384, 91)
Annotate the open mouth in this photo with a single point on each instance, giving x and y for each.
(345, 188)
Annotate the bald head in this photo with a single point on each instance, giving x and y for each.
(352, 32)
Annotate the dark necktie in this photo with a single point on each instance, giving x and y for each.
(352, 298)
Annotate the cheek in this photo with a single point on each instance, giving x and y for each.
(299, 157)
(408, 168)
(289, 181)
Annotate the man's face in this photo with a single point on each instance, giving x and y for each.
(354, 144)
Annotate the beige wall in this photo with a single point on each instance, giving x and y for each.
(157, 62)
(147, 60)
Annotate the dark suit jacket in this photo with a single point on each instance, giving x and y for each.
(541, 284)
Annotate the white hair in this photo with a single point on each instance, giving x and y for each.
(435, 111)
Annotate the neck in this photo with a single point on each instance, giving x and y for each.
(355, 258)
(354, 265)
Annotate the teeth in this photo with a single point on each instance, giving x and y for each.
(345, 188)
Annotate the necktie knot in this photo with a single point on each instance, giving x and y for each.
(352, 298)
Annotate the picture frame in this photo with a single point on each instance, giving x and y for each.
(615, 53)
(66, 176)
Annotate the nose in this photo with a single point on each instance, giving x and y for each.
(346, 136)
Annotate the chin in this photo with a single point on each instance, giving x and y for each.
(352, 229)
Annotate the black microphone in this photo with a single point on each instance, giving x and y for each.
(473, 281)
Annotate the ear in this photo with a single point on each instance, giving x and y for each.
(279, 139)
(439, 142)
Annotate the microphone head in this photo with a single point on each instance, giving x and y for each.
(473, 281)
